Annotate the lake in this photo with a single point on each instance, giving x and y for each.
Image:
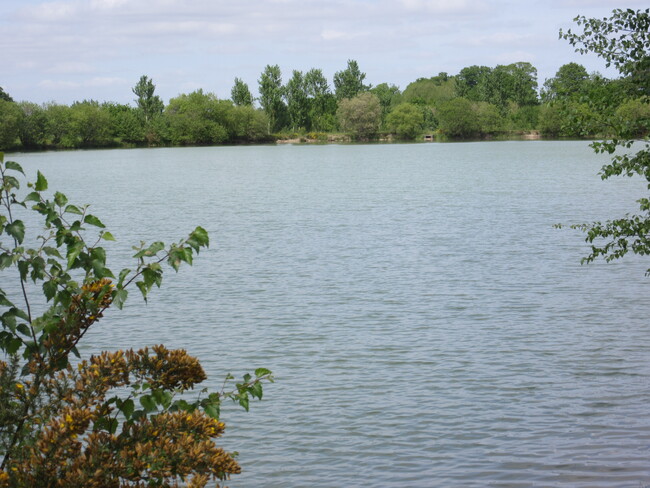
(426, 323)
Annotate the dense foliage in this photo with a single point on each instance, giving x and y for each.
(622, 40)
(123, 418)
(478, 102)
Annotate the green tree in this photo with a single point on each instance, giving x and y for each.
(471, 83)
(488, 117)
(5, 96)
(298, 102)
(10, 117)
(240, 94)
(622, 40)
(58, 124)
(348, 83)
(125, 125)
(271, 97)
(406, 121)
(568, 83)
(32, 127)
(123, 418)
(458, 118)
(516, 82)
(149, 104)
(322, 113)
(90, 125)
(389, 97)
(430, 91)
(360, 115)
(197, 118)
(248, 124)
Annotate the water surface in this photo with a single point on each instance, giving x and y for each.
(426, 323)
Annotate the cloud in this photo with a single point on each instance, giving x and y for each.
(498, 39)
(97, 81)
(443, 6)
(50, 12)
(108, 4)
(337, 35)
(71, 67)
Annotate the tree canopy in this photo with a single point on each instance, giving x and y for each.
(622, 40)
(348, 83)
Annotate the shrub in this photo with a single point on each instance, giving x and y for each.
(114, 419)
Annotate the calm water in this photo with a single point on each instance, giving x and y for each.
(427, 324)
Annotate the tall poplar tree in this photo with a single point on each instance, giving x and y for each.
(271, 94)
(349, 82)
(150, 104)
(240, 94)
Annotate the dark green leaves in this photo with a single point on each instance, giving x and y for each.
(41, 182)
(92, 220)
(16, 230)
(14, 166)
(198, 238)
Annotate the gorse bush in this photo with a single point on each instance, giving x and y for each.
(117, 418)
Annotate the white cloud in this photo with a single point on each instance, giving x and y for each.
(337, 35)
(97, 81)
(107, 4)
(442, 6)
(101, 81)
(50, 12)
(59, 84)
(71, 67)
(498, 38)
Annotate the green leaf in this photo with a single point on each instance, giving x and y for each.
(11, 182)
(52, 251)
(262, 372)
(13, 345)
(41, 182)
(4, 301)
(151, 251)
(5, 260)
(92, 220)
(119, 297)
(212, 411)
(73, 252)
(107, 236)
(49, 289)
(33, 197)
(123, 274)
(15, 166)
(24, 329)
(256, 390)
(243, 401)
(23, 269)
(148, 403)
(60, 199)
(127, 408)
(16, 230)
(73, 209)
(143, 289)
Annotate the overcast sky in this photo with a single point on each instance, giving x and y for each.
(69, 50)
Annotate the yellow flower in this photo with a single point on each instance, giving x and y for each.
(19, 386)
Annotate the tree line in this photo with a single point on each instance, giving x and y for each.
(479, 101)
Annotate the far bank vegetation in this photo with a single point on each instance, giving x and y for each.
(479, 102)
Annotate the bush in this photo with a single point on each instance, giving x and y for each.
(115, 419)
(360, 115)
(406, 120)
